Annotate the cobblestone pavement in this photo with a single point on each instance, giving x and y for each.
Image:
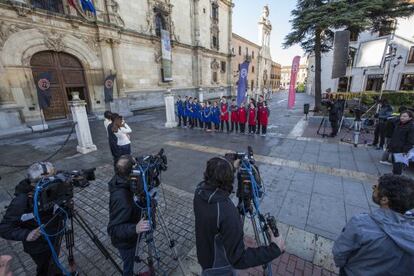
(286, 265)
(92, 204)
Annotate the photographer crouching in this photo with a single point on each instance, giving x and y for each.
(19, 222)
(218, 225)
(124, 215)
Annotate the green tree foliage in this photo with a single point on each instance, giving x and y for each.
(314, 22)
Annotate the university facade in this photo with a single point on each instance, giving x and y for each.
(79, 49)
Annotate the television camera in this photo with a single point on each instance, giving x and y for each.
(58, 189)
(250, 191)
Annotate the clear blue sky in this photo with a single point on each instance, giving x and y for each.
(246, 14)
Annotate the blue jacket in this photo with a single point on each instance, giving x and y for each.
(216, 115)
(179, 108)
(207, 114)
(196, 110)
(376, 244)
(189, 109)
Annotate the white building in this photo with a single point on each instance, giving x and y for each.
(401, 73)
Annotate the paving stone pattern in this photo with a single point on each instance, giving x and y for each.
(92, 204)
(286, 265)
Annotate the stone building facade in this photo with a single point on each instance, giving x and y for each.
(301, 78)
(79, 49)
(242, 50)
(275, 75)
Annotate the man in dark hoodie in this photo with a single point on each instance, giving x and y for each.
(218, 226)
(19, 224)
(125, 221)
(380, 243)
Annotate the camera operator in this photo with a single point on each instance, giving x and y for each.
(124, 215)
(335, 110)
(218, 225)
(19, 224)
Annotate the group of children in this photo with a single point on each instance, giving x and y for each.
(213, 117)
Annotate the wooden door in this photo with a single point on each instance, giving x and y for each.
(67, 75)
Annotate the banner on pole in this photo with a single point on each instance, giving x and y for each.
(292, 85)
(166, 56)
(242, 83)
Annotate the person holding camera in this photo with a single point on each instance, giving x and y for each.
(218, 226)
(19, 224)
(380, 243)
(125, 223)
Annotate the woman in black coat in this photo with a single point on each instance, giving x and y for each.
(402, 140)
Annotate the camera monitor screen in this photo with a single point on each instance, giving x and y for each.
(371, 53)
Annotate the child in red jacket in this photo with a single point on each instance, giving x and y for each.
(252, 118)
(263, 117)
(242, 116)
(234, 116)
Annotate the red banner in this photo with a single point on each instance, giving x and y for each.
(292, 86)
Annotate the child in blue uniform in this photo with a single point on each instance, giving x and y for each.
(185, 111)
(196, 112)
(179, 110)
(189, 112)
(216, 116)
(207, 115)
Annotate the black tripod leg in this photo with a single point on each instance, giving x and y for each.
(82, 223)
(266, 267)
(320, 125)
(171, 241)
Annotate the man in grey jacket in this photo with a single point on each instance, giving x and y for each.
(380, 243)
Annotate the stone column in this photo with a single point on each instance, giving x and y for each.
(83, 132)
(200, 94)
(169, 110)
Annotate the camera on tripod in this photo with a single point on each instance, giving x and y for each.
(146, 173)
(246, 173)
(58, 189)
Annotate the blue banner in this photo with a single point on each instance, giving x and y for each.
(242, 83)
(43, 90)
(87, 5)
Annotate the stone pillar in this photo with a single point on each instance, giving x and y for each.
(169, 110)
(83, 132)
(200, 94)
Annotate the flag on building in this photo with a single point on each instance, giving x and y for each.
(242, 83)
(87, 5)
(43, 90)
(292, 85)
(71, 3)
(109, 88)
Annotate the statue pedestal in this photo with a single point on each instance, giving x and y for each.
(170, 110)
(83, 132)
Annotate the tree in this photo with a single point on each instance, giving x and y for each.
(314, 22)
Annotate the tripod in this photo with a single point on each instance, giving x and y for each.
(258, 222)
(323, 125)
(150, 241)
(358, 133)
(74, 216)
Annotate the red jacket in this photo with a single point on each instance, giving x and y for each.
(242, 114)
(224, 112)
(263, 115)
(252, 116)
(234, 113)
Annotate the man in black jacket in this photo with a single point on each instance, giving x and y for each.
(218, 226)
(18, 224)
(124, 215)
